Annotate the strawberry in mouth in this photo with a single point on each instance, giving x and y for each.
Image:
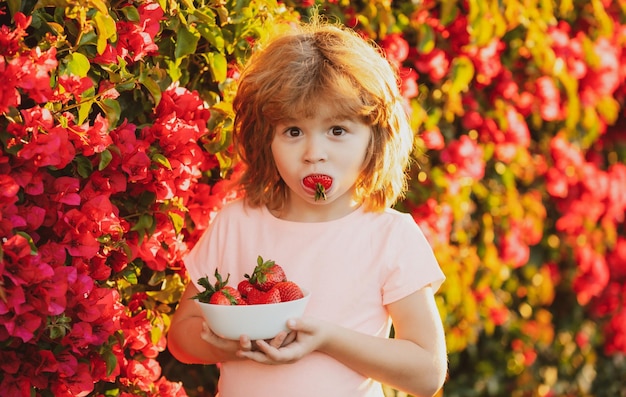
(320, 183)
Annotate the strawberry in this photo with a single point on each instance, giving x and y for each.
(218, 293)
(244, 287)
(289, 291)
(266, 274)
(258, 297)
(321, 183)
(227, 296)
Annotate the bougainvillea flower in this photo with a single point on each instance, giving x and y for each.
(23, 326)
(435, 64)
(549, 98)
(396, 48)
(593, 274)
(615, 332)
(467, 157)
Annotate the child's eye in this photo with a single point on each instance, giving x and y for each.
(337, 131)
(293, 131)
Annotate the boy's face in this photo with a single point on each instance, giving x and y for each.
(325, 149)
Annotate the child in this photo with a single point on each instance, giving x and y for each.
(321, 129)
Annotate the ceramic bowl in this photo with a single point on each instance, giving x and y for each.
(256, 321)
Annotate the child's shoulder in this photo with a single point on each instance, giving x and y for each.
(239, 209)
(392, 219)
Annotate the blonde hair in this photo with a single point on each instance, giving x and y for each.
(301, 66)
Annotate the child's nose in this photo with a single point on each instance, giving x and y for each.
(315, 150)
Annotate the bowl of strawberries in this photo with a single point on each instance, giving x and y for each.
(259, 306)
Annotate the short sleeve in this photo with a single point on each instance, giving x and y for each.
(412, 265)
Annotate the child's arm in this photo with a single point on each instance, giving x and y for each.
(187, 337)
(414, 361)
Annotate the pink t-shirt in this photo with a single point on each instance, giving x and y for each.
(353, 266)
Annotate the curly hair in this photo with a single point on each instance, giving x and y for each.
(308, 63)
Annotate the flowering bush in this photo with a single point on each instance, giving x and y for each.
(115, 132)
(111, 166)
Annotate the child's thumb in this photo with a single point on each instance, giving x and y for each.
(298, 324)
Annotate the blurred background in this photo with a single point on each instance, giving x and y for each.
(115, 122)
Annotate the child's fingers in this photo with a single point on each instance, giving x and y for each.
(245, 344)
(278, 340)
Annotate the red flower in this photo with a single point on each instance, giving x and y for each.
(10, 40)
(142, 373)
(513, 248)
(549, 99)
(486, 60)
(71, 87)
(593, 274)
(435, 219)
(433, 139)
(602, 81)
(22, 325)
(91, 139)
(615, 332)
(50, 149)
(435, 64)
(408, 83)
(134, 42)
(616, 194)
(80, 384)
(396, 48)
(616, 260)
(466, 157)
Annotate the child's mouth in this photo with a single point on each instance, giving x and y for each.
(319, 183)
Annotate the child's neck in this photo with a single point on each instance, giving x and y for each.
(314, 212)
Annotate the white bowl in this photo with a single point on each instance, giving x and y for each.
(255, 321)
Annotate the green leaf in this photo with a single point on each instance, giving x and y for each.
(111, 361)
(77, 64)
(145, 222)
(152, 87)
(213, 35)
(219, 66)
(84, 109)
(105, 26)
(131, 13)
(449, 11)
(186, 42)
(177, 221)
(462, 74)
(426, 42)
(111, 109)
(31, 243)
(162, 160)
(105, 159)
(83, 166)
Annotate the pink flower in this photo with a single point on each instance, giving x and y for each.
(549, 99)
(23, 325)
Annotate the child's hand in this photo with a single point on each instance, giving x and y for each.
(306, 337)
(230, 347)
